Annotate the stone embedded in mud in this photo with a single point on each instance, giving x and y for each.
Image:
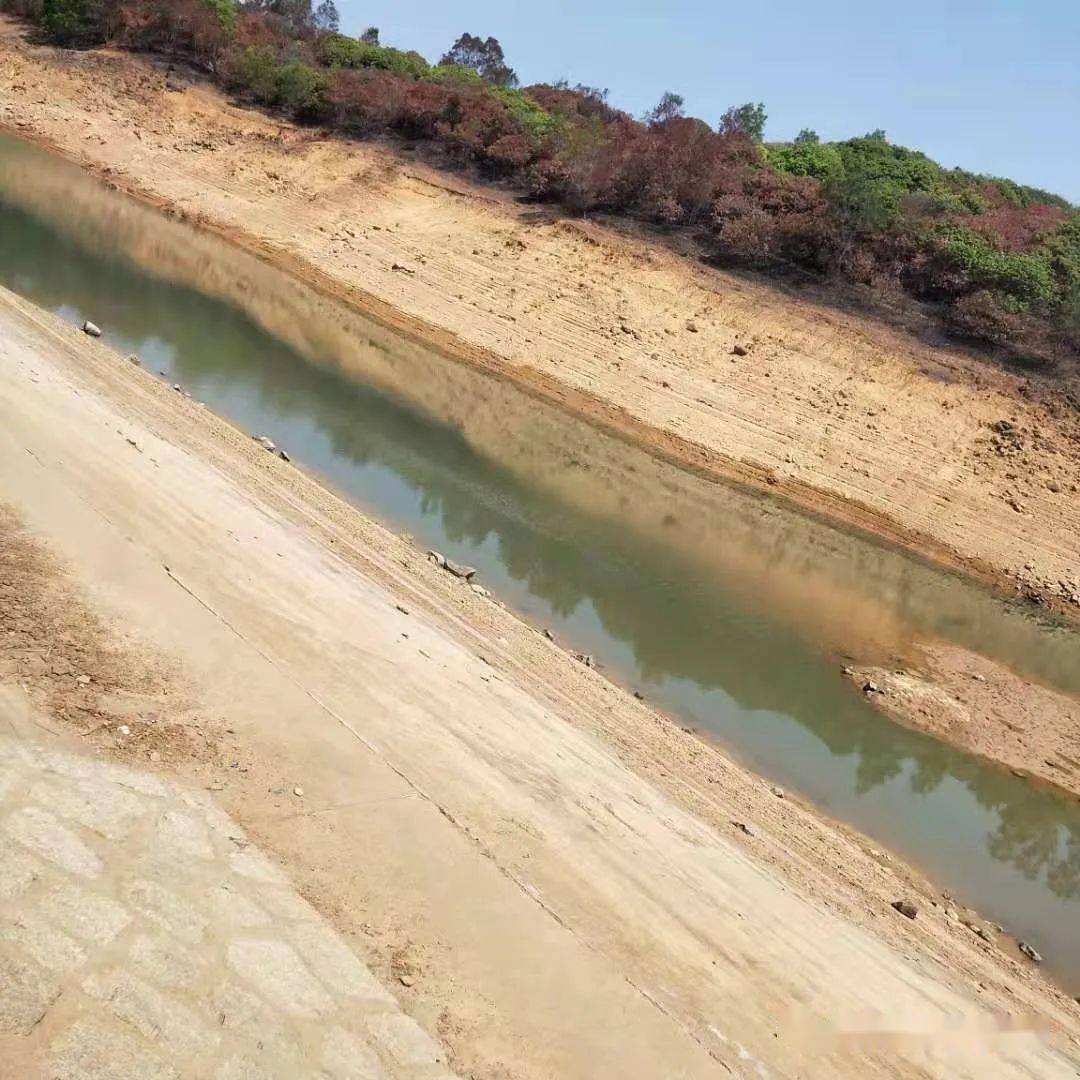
(1031, 953)
(466, 573)
(91, 328)
(906, 908)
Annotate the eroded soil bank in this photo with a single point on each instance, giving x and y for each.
(920, 444)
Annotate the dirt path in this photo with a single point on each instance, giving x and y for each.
(862, 424)
(546, 870)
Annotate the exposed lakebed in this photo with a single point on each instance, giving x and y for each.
(723, 607)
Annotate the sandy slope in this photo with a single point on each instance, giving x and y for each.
(833, 410)
(552, 867)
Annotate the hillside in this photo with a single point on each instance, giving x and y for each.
(997, 261)
(832, 411)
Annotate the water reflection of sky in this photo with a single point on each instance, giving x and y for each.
(652, 619)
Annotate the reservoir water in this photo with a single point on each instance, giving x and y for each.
(721, 606)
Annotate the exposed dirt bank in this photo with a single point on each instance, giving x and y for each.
(552, 867)
(831, 410)
(969, 701)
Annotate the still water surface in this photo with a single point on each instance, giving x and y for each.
(724, 608)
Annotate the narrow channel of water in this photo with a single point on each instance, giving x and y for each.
(721, 606)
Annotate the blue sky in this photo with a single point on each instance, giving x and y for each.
(992, 86)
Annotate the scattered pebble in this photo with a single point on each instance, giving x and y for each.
(124, 729)
(298, 792)
(91, 328)
(407, 979)
(1030, 952)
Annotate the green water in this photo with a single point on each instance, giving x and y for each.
(722, 607)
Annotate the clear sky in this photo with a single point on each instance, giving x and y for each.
(990, 86)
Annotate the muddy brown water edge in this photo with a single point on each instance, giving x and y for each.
(727, 610)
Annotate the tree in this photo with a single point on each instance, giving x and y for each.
(370, 36)
(326, 18)
(807, 136)
(748, 120)
(485, 57)
(878, 135)
(669, 107)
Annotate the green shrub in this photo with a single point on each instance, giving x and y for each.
(225, 12)
(299, 88)
(822, 161)
(454, 73)
(526, 114)
(73, 22)
(341, 51)
(1027, 277)
(256, 70)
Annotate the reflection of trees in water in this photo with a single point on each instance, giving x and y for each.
(676, 623)
(1037, 835)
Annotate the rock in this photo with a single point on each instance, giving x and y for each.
(298, 792)
(871, 687)
(585, 659)
(479, 589)
(284, 456)
(403, 610)
(124, 729)
(466, 573)
(1031, 953)
(777, 791)
(639, 695)
(437, 558)
(979, 678)
(403, 269)
(133, 359)
(743, 828)
(548, 634)
(906, 908)
(83, 680)
(265, 442)
(739, 350)
(691, 326)
(91, 328)
(406, 979)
